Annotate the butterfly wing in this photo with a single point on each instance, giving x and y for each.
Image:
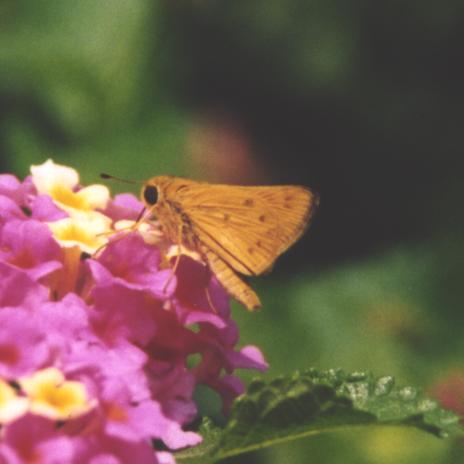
(248, 227)
(230, 280)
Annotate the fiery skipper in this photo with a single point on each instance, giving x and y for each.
(236, 229)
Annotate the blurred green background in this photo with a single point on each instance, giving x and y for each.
(360, 100)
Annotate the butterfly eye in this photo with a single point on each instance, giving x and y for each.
(150, 195)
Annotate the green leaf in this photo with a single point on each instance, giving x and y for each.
(312, 402)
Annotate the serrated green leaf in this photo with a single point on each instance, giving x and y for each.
(313, 402)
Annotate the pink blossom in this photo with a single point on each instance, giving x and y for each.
(43, 209)
(29, 245)
(124, 206)
(173, 388)
(121, 313)
(23, 346)
(9, 210)
(17, 288)
(96, 329)
(20, 192)
(98, 448)
(35, 439)
(132, 263)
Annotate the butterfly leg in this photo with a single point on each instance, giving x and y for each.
(117, 238)
(176, 262)
(122, 232)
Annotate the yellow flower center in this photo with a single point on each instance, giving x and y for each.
(87, 230)
(54, 397)
(66, 197)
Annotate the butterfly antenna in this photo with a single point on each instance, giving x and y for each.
(104, 175)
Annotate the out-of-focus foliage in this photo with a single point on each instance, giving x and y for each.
(78, 81)
(361, 100)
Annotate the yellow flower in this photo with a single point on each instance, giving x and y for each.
(12, 405)
(52, 396)
(88, 231)
(60, 182)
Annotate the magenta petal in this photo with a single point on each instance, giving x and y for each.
(124, 313)
(9, 184)
(64, 321)
(176, 438)
(129, 255)
(29, 245)
(249, 357)
(152, 418)
(195, 317)
(20, 193)
(229, 387)
(9, 210)
(38, 437)
(173, 390)
(194, 283)
(96, 364)
(23, 347)
(130, 262)
(19, 289)
(101, 449)
(161, 284)
(101, 275)
(42, 270)
(44, 209)
(124, 206)
(165, 458)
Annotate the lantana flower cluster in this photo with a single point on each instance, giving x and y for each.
(98, 335)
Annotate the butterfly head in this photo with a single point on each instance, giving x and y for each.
(154, 191)
(150, 194)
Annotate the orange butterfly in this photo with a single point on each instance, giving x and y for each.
(236, 229)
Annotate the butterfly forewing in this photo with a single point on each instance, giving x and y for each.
(248, 227)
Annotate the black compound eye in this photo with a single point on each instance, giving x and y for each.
(150, 195)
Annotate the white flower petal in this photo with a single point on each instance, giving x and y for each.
(88, 230)
(12, 406)
(47, 175)
(96, 196)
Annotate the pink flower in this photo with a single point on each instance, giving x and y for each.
(9, 210)
(123, 314)
(22, 193)
(102, 449)
(23, 346)
(17, 288)
(124, 206)
(96, 330)
(132, 263)
(43, 209)
(35, 439)
(29, 245)
(173, 388)
(22, 200)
